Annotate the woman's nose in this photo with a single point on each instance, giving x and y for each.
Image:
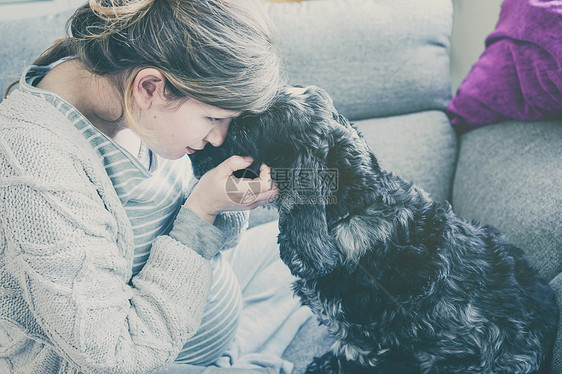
(217, 135)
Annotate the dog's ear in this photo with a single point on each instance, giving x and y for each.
(353, 226)
(305, 243)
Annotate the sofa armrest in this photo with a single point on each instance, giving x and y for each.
(556, 285)
(508, 176)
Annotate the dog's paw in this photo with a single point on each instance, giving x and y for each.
(326, 364)
(332, 364)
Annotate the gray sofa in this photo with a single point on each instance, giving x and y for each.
(386, 65)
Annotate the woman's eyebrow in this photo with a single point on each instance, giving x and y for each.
(234, 115)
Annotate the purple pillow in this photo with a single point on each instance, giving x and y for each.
(519, 75)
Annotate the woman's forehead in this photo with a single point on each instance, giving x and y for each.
(215, 111)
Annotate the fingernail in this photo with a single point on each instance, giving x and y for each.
(248, 158)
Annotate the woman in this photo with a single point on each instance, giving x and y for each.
(110, 259)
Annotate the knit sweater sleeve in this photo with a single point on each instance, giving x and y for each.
(64, 246)
(232, 224)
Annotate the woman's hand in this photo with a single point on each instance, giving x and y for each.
(219, 190)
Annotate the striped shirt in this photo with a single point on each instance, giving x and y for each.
(152, 190)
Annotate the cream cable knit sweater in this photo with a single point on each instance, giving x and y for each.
(66, 251)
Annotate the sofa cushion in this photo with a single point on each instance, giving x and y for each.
(519, 75)
(507, 176)
(312, 340)
(376, 58)
(418, 147)
(23, 40)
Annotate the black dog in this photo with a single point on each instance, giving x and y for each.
(403, 284)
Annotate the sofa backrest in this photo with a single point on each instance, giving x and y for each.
(23, 40)
(375, 58)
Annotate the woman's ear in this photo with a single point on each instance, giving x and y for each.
(148, 87)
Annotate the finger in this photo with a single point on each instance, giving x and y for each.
(265, 170)
(265, 175)
(256, 185)
(244, 180)
(257, 198)
(254, 189)
(259, 202)
(234, 163)
(256, 204)
(244, 191)
(268, 196)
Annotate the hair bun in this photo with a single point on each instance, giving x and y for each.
(116, 15)
(122, 8)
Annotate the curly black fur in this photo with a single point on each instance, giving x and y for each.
(403, 284)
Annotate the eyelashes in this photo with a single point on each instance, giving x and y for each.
(217, 120)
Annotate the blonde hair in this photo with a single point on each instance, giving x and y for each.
(220, 52)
